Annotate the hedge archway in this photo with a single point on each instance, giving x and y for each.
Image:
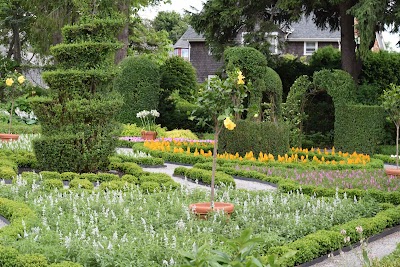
(337, 83)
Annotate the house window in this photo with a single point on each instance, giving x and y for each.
(271, 37)
(310, 48)
(185, 54)
(273, 41)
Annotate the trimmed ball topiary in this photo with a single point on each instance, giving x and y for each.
(51, 184)
(81, 183)
(150, 187)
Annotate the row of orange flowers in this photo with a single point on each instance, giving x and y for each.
(345, 158)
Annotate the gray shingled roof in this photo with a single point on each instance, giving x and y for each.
(306, 29)
(302, 30)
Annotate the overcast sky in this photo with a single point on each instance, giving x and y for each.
(182, 5)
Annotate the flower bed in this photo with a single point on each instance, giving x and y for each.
(131, 228)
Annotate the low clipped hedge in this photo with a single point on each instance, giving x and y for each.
(204, 176)
(385, 158)
(324, 242)
(145, 161)
(286, 185)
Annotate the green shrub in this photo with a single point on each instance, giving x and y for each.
(358, 128)
(181, 134)
(150, 187)
(81, 183)
(139, 84)
(65, 264)
(8, 256)
(160, 178)
(266, 137)
(171, 185)
(50, 175)
(77, 117)
(204, 176)
(31, 260)
(130, 179)
(51, 184)
(326, 57)
(107, 177)
(7, 173)
(89, 176)
(30, 176)
(113, 185)
(127, 168)
(69, 176)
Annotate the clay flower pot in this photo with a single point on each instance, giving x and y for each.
(8, 137)
(392, 172)
(204, 208)
(149, 135)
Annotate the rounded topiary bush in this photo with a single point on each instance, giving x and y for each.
(69, 176)
(139, 84)
(7, 173)
(81, 183)
(113, 185)
(150, 187)
(50, 175)
(130, 179)
(52, 184)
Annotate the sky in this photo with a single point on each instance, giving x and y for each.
(181, 5)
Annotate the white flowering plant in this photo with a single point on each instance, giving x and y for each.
(28, 118)
(148, 119)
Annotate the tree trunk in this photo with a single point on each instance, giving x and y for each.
(123, 35)
(397, 146)
(17, 44)
(350, 62)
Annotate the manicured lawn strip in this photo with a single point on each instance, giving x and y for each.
(204, 176)
(323, 242)
(286, 185)
(156, 226)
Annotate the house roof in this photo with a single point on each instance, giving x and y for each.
(306, 29)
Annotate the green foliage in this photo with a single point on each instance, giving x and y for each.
(266, 83)
(181, 134)
(139, 84)
(204, 176)
(178, 74)
(130, 179)
(113, 185)
(81, 183)
(77, 118)
(46, 175)
(326, 57)
(69, 176)
(89, 176)
(8, 256)
(31, 260)
(266, 137)
(65, 264)
(160, 178)
(127, 168)
(289, 69)
(51, 184)
(7, 172)
(358, 128)
(150, 187)
(172, 22)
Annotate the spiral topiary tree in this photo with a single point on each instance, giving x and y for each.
(77, 119)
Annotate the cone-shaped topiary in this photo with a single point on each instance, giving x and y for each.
(77, 120)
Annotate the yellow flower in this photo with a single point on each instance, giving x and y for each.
(240, 78)
(21, 79)
(9, 81)
(230, 125)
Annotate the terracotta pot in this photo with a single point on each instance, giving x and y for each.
(203, 209)
(148, 135)
(8, 137)
(393, 171)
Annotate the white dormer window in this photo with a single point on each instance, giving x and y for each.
(271, 37)
(310, 48)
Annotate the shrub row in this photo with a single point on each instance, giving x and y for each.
(323, 242)
(385, 158)
(286, 186)
(146, 161)
(204, 176)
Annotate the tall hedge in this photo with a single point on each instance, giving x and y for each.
(77, 120)
(267, 84)
(358, 128)
(266, 137)
(179, 76)
(139, 84)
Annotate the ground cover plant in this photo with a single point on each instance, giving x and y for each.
(128, 228)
